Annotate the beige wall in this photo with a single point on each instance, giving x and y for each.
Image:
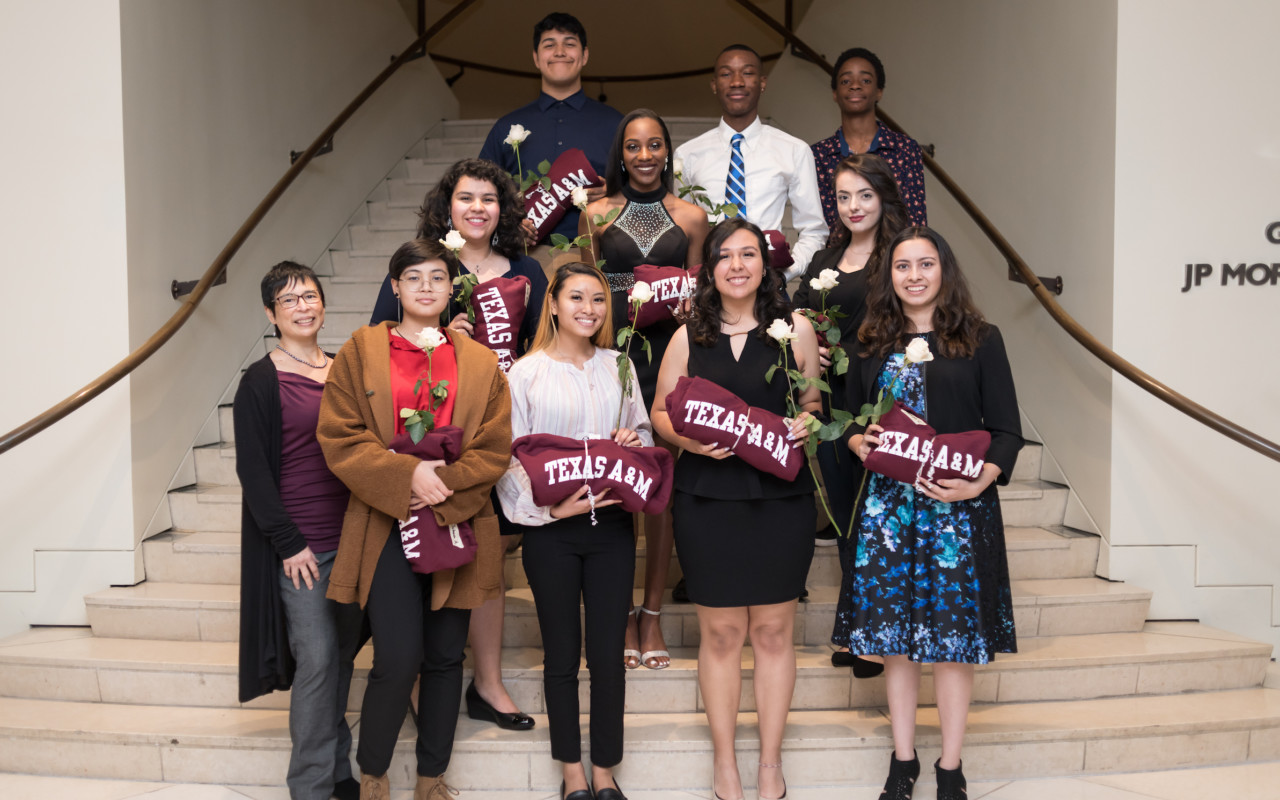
(66, 523)
(1197, 180)
(168, 126)
(624, 38)
(1019, 99)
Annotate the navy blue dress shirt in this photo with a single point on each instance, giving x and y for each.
(556, 126)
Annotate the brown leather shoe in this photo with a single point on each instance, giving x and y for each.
(433, 789)
(374, 788)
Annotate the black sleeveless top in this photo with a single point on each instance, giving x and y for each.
(732, 478)
(643, 233)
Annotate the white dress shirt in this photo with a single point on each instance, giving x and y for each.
(550, 396)
(779, 169)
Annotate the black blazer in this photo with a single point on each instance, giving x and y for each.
(963, 394)
(268, 534)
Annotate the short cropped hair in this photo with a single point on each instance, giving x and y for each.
(748, 48)
(562, 22)
(863, 53)
(284, 274)
(418, 251)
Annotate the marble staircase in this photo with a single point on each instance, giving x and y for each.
(148, 691)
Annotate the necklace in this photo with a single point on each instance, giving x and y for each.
(324, 358)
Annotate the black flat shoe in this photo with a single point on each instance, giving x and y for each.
(347, 789)
(479, 708)
(862, 668)
(581, 794)
(611, 793)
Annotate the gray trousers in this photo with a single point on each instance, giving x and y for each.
(324, 637)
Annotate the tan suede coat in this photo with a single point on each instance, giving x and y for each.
(357, 422)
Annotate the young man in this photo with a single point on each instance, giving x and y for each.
(562, 117)
(857, 85)
(752, 165)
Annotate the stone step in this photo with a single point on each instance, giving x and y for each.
(1033, 503)
(455, 147)
(361, 264)
(371, 241)
(426, 171)
(384, 216)
(359, 293)
(464, 129)
(1182, 657)
(663, 751)
(208, 612)
(214, 556)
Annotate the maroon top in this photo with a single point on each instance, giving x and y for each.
(313, 496)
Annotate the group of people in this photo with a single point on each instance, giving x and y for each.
(330, 506)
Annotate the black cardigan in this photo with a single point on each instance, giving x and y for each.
(268, 534)
(963, 394)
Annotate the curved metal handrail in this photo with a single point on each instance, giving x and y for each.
(522, 73)
(1068, 323)
(166, 331)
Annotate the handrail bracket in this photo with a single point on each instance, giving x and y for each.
(327, 147)
(1053, 284)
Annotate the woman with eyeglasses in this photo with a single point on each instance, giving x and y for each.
(419, 621)
(292, 507)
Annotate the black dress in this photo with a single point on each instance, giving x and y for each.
(642, 233)
(744, 537)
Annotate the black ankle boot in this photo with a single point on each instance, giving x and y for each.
(951, 783)
(902, 778)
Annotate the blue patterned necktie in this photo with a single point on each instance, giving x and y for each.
(735, 190)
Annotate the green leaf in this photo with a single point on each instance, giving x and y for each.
(405, 413)
(810, 446)
(883, 406)
(840, 415)
(833, 335)
(559, 240)
(544, 166)
(582, 241)
(768, 375)
(623, 335)
(417, 387)
(729, 210)
(612, 215)
(546, 183)
(822, 385)
(600, 264)
(648, 351)
(416, 429)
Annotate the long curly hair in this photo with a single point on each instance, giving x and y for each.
(434, 219)
(893, 212)
(704, 326)
(545, 336)
(958, 325)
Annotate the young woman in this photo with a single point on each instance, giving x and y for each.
(291, 519)
(871, 214)
(744, 537)
(657, 228)
(930, 582)
(479, 200)
(568, 385)
(419, 622)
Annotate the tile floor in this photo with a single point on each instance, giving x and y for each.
(1240, 782)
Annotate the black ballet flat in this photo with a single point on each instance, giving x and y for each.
(479, 708)
(862, 667)
(611, 792)
(581, 794)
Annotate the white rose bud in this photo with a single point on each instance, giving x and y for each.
(829, 278)
(517, 134)
(641, 292)
(580, 198)
(430, 338)
(781, 331)
(817, 285)
(677, 166)
(454, 241)
(918, 351)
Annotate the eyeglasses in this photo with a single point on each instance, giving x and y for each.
(291, 300)
(435, 282)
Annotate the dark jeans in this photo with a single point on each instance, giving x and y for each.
(324, 637)
(569, 562)
(410, 640)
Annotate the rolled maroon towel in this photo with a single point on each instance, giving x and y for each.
(499, 305)
(546, 207)
(710, 414)
(429, 546)
(779, 250)
(638, 476)
(910, 448)
(670, 285)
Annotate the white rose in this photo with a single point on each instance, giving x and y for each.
(430, 338)
(780, 331)
(677, 166)
(918, 351)
(817, 285)
(516, 135)
(580, 197)
(454, 241)
(642, 292)
(828, 278)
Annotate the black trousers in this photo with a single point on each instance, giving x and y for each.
(410, 640)
(568, 562)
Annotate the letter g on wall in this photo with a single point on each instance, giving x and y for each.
(1273, 233)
